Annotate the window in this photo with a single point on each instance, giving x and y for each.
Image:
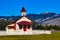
(24, 28)
(20, 26)
(10, 27)
(28, 26)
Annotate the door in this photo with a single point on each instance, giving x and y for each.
(24, 28)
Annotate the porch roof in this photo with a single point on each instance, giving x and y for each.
(24, 23)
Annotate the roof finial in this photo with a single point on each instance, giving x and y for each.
(23, 9)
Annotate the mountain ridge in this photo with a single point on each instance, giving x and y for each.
(40, 18)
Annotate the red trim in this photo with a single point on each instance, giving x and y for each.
(25, 29)
(24, 23)
(14, 26)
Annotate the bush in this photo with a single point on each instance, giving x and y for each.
(55, 27)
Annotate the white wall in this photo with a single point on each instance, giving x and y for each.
(34, 32)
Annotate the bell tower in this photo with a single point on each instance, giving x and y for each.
(23, 11)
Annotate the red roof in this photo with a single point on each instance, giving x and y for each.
(23, 9)
(24, 23)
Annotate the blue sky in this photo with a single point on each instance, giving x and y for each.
(13, 7)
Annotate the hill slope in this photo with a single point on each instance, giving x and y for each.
(42, 18)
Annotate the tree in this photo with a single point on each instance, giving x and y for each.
(3, 24)
(34, 24)
(10, 21)
(55, 27)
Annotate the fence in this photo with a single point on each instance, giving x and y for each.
(34, 32)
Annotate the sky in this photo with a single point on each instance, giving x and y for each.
(13, 7)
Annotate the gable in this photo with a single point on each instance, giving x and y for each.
(23, 19)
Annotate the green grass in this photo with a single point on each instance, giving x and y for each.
(53, 36)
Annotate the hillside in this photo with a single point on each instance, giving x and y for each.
(42, 18)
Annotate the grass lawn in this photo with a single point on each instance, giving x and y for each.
(53, 36)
